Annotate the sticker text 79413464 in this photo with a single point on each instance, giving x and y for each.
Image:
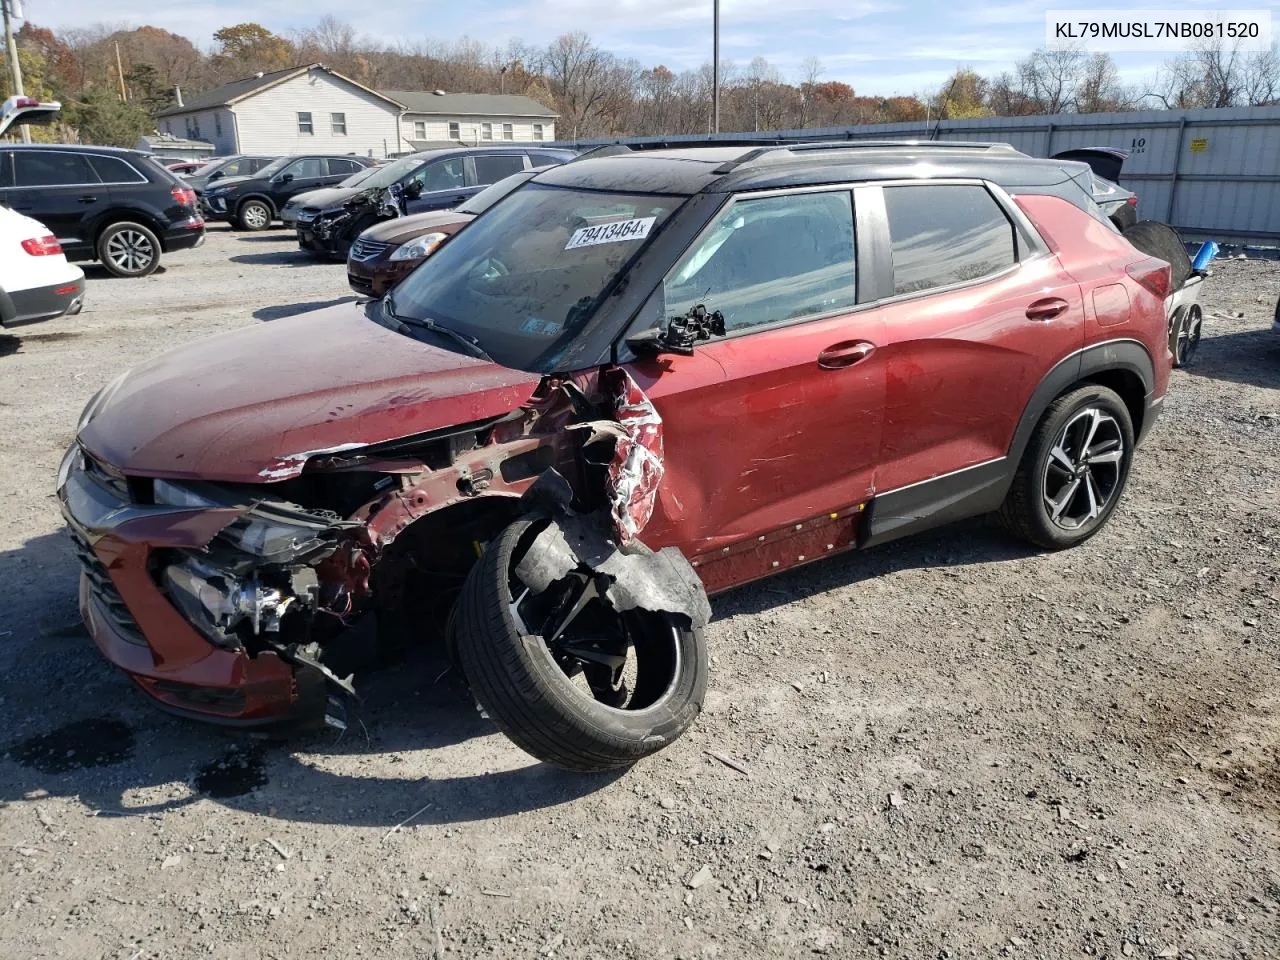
(615, 232)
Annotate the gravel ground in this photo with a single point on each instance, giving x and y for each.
(954, 746)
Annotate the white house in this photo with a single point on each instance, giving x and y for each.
(307, 109)
(179, 148)
(432, 118)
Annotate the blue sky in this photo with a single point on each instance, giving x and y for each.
(877, 46)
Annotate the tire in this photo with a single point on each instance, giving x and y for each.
(524, 688)
(1043, 477)
(128, 249)
(254, 215)
(1193, 326)
(1177, 336)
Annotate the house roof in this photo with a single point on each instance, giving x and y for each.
(237, 90)
(166, 141)
(470, 104)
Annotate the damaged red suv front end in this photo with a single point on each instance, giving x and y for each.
(213, 569)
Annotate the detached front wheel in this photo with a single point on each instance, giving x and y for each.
(564, 675)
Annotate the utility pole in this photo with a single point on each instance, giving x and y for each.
(15, 68)
(715, 66)
(120, 73)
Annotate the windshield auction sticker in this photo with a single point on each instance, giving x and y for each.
(1157, 31)
(614, 232)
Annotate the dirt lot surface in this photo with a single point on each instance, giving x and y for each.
(955, 746)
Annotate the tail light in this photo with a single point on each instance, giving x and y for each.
(1154, 275)
(42, 246)
(185, 196)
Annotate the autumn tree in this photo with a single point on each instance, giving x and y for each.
(248, 48)
(102, 118)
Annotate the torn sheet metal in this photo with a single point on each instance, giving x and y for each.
(291, 464)
(662, 581)
(637, 466)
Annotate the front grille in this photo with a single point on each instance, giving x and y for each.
(360, 284)
(105, 592)
(364, 249)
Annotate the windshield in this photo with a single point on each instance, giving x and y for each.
(491, 194)
(360, 176)
(393, 172)
(524, 279)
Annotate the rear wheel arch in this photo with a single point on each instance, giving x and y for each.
(1124, 366)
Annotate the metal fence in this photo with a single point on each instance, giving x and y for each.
(1213, 174)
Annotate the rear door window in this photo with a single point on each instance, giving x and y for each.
(770, 260)
(115, 170)
(52, 168)
(342, 168)
(943, 234)
(493, 168)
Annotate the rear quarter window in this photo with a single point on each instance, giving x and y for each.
(944, 234)
(115, 170)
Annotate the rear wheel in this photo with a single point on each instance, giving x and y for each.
(1074, 469)
(253, 215)
(1188, 336)
(129, 250)
(569, 679)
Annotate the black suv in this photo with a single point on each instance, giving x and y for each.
(222, 168)
(328, 221)
(252, 203)
(102, 203)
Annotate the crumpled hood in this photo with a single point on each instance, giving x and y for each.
(252, 405)
(326, 198)
(403, 229)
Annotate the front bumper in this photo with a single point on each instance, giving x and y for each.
(215, 208)
(139, 630)
(374, 277)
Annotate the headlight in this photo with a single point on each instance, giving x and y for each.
(421, 247)
(276, 541)
(180, 495)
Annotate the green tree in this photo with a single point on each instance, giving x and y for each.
(102, 118)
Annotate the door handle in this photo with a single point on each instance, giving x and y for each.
(845, 354)
(1047, 309)
(88, 199)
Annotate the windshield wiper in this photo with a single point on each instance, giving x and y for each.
(426, 323)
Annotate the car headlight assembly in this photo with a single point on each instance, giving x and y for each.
(420, 247)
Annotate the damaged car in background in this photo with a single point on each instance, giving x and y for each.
(387, 252)
(329, 222)
(639, 380)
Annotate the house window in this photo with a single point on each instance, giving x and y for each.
(187, 123)
(537, 131)
(338, 124)
(455, 130)
(419, 129)
(486, 131)
(508, 132)
(217, 124)
(168, 127)
(195, 126)
(304, 123)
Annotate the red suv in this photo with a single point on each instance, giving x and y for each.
(639, 379)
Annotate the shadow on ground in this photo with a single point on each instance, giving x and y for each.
(293, 309)
(281, 258)
(75, 727)
(1249, 356)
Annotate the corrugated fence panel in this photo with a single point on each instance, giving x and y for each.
(1211, 173)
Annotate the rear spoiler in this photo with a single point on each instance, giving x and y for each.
(27, 110)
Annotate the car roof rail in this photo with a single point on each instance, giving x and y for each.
(786, 150)
(621, 147)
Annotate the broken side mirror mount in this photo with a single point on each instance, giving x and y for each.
(412, 190)
(679, 334)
